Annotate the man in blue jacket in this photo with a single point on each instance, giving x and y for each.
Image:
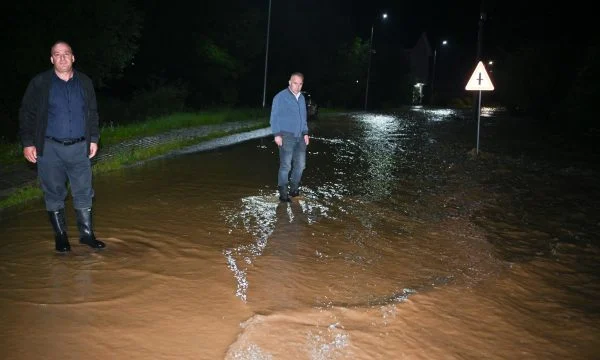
(59, 132)
(288, 124)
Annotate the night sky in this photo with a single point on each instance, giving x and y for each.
(315, 25)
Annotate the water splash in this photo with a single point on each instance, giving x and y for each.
(329, 344)
(251, 352)
(258, 218)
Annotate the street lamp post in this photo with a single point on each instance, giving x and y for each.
(383, 16)
(266, 56)
(444, 43)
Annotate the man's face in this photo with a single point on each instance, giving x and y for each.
(62, 58)
(296, 84)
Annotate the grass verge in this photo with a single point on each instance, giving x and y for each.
(22, 195)
(122, 159)
(116, 134)
(10, 153)
(110, 134)
(119, 134)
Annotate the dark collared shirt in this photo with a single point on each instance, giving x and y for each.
(66, 109)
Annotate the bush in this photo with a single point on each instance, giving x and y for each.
(9, 127)
(112, 111)
(162, 100)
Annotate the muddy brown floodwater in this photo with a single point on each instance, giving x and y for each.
(402, 246)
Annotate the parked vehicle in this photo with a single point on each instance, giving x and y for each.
(312, 109)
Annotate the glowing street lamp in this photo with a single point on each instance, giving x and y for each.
(383, 16)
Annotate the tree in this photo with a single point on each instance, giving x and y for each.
(348, 75)
(104, 36)
(210, 48)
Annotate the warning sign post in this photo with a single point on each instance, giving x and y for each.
(479, 81)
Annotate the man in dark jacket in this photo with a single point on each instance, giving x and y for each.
(59, 131)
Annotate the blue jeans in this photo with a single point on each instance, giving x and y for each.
(61, 165)
(292, 157)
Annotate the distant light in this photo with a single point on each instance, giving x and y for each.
(419, 85)
(490, 62)
(357, 81)
(445, 42)
(384, 15)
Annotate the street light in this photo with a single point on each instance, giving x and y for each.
(444, 43)
(383, 16)
(266, 55)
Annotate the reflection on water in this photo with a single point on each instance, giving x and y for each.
(436, 114)
(380, 144)
(399, 246)
(490, 111)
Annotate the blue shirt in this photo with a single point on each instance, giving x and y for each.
(66, 109)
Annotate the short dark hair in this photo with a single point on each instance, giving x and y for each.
(60, 42)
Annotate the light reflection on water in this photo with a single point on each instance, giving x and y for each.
(390, 250)
(437, 114)
(491, 111)
(358, 169)
(378, 147)
(445, 114)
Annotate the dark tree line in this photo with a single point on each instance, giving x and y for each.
(547, 62)
(151, 57)
(148, 57)
(104, 35)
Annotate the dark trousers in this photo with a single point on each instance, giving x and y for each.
(62, 164)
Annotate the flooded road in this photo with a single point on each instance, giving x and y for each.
(401, 247)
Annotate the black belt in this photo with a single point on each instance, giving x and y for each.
(66, 142)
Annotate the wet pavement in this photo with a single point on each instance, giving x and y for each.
(403, 245)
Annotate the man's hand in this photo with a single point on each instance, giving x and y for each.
(30, 154)
(278, 140)
(93, 150)
(306, 139)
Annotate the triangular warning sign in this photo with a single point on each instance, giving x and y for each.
(480, 79)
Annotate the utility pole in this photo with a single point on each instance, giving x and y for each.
(433, 76)
(482, 18)
(266, 56)
(383, 16)
(369, 66)
(432, 97)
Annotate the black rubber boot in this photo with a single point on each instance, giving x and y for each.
(86, 229)
(283, 194)
(295, 190)
(59, 224)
